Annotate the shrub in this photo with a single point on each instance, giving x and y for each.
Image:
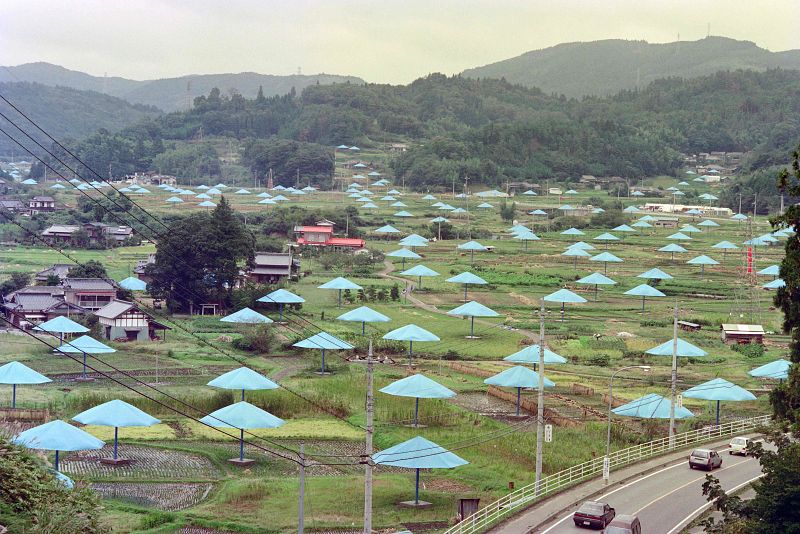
(599, 360)
(259, 339)
(750, 350)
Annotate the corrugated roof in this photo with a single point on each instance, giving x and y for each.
(320, 229)
(61, 229)
(273, 259)
(743, 328)
(114, 309)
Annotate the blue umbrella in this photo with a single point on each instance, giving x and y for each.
(364, 315)
(17, 373)
(779, 369)
(775, 284)
(526, 236)
(772, 270)
(725, 246)
(243, 378)
(467, 278)
(420, 387)
(411, 333)
(575, 253)
(403, 213)
(672, 248)
(242, 415)
(418, 453)
(404, 254)
(323, 341)
(606, 258)
(685, 349)
(340, 284)
(596, 279)
(679, 236)
(57, 436)
(702, 261)
(644, 291)
(414, 240)
(563, 296)
(719, 390)
(115, 413)
(654, 274)
(606, 237)
(473, 309)
(518, 377)
(642, 224)
(61, 325)
(623, 228)
(651, 406)
(572, 231)
(472, 246)
(419, 271)
(133, 284)
(246, 316)
(530, 354)
(85, 345)
(388, 229)
(281, 297)
(174, 200)
(739, 217)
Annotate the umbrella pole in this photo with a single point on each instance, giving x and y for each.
(13, 396)
(241, 444)
(280, 312)
(643, 297)
(702, 269)
(322, 369)
(416, 489)
(717, 413)
(416, 412)
(410, 352)
(363, 327)
(575, 262)
(465, 292)
(562, 313)
(242, 394)
(472, 257)
(116, 436)
(340, 299)
(472, 326)
(595, 292)
(56, 463)
(519, 396)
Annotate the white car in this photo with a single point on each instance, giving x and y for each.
(740, 445)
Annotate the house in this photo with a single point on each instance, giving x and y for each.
(554, 191)
(58, 269)
(688, 327)
(14, 206)
(682, 208)
(742, 333)
(89, 293)
(32, 305)
(125, 321)
(271, 267)
(322, 236)
(398, 147)
(141, 266)
(665, 222)
(41, 204)
(60, 233)
(96, 231)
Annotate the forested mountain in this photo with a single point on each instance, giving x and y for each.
(67, 113)
(606, 67)
(487, 130)
(169, 94)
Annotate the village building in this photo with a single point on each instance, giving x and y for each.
(707, 211)
(125, 321)
(33, 305)
(96, 232)
(41, 204)
(742, 333)
(141, 267)
(665, 222)
(89, 293)
(59, 269)
(322, 236)
(14, 206)
(272, 267)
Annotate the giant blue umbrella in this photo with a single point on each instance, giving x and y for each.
(115, 413)
(15, 373)
(651, 406)
(419, 271)
(364, 315)
(530, 354)
(472, 246)
(719, 390)
(473, 309)
(606, 237)
(323, 341)
(242, 415)
(340, 284)
(679, 236)
(772, 270)
(684, 349)
(702, 261)
(525, 237)
(672, 248)
(518, 377)
(57, 436)
(644, 291)
(575, 253)
(411, 333)
(572, 231)
(243, 378)
(563, 296)
(133, 284)
(61, 325)
(404, 254)
(246, 316)
(655, 274)
(418, 453)
(596, 279)
(775, 284)
(467, 278)
(414, 240)
(606, 258)
(388, 229)
(281, 297)
(85, 345)
(779, 370)
(725, 246)
(420, 387)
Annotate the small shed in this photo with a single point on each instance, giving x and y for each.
(123, 320)
(688, 327)
(742, 333)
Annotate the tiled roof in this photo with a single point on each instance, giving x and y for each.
(35, 302)
(273, 258)
(97, 284)
(61, 229)
(114, 309)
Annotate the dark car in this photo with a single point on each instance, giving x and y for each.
(624, 524)
(705, 459)
(593, 514)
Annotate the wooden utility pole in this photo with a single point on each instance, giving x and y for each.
(540, 405)
(368, 447)
(301, 504)
(674, 381)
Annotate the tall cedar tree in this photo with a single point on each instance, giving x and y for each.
(200, 258)
(786, 397)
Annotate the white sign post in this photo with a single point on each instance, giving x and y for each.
(548, 433)
(606, 468)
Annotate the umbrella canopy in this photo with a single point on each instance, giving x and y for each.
(566, 207)
(576, 252)
(623, 228)
(403, 214)
(673, 248)
(772, 270)
(242, 415)
(719, 389)
(86, 345)
(685, 349)
(631, 209)
(637, 194)
(606, 237)
(678, 236)
(340, 284)
(739, 217)
(702, 261)
(775, 284)
(403, 253)
(473, 309)
(530, 193)
(364, 315)
(642, 224)
(323, 341)
(651, 406)
(564, 295)
(207, 204)
(419, 270)
(606, 258)
(420, 387)
(57, 436)
(538, 212)
(689, 229)
(414, 240)
(572, 231)
(15, 373)
(655, 274)
(246, 316)
(388, 229)
(644, 291)
(411, 333)
(116, 413)
(243, 378)
(398, 204)
(174, 200)
(61, 325)
(530, 354)
(418, 453)
(779, 370)
(281, 297)
(485, 205)
(582, 245)
(133, 284)
(440, 219)
(467, 278)
(471, 245)
(429, 197)
(596, 279)
(518, 377)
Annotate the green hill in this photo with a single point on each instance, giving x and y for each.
(66, 112)
(169, 94)
(606, 67)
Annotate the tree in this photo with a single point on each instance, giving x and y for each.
(199, 259)
(507, 211)
(89, 269)
(16, 282)
(52, 280)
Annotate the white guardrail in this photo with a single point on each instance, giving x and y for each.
(551, 484)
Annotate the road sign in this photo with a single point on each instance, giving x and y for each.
(548, 433)
(606, 468)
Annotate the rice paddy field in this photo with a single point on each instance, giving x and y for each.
(181, 476)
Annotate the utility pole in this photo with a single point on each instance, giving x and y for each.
(301, 504)
(368, 448)
(674, 380)
(540, 405)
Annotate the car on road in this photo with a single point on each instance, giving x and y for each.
(592, 514)
(624, 524)
(705, 459)
(741, 445)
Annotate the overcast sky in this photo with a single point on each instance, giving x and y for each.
(380, 41)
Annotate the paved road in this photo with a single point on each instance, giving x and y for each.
(664, 499)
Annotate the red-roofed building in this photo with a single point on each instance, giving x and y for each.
(322, 236)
